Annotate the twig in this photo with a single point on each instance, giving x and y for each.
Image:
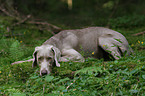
(4, 11)
(45, 23)
(8, 35)
(22, 21)
(22, 61)
(70, 84)
(7, 13)
(140, 33)
(48, 29)
(43, 88)
(51, 26)
(141, 48)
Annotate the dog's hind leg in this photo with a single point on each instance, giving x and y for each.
(108, 45)
(115, 46)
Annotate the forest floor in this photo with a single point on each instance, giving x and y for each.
(94, 77)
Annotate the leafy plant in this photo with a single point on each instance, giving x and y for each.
(16, 51)
(127, 21)
(90, 71)
(94, 77)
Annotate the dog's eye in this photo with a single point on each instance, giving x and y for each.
(40, 58)
(49, 58)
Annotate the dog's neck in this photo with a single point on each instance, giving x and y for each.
(53, 41)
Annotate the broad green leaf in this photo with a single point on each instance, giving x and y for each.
(133, 91)
(61, 88)
(34, 77)
(133, 71)
(143, 76)
(49, 78)
(62, 80)
(65, 90)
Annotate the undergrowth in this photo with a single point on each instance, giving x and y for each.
(94, 77)
(124, 77)
(129, 21)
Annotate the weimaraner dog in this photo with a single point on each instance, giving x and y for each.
(67, 45)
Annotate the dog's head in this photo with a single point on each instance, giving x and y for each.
(45, 56)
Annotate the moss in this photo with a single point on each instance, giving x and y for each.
(21, 72)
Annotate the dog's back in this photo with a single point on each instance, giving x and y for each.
(87, 39)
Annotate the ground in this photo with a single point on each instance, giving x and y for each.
(94, 77)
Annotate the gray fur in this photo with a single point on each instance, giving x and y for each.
(69, 43)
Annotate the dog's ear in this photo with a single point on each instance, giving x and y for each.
(57, 55)
(34, 64)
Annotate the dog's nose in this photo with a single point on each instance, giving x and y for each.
(44, 72)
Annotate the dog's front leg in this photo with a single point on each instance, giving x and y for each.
(71, 55)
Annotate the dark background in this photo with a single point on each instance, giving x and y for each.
(82, 13)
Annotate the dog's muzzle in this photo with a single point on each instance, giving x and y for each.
(45, 68)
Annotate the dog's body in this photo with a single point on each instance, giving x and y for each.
(89, 40)
(67, 45)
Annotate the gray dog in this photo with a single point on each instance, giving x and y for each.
(66, 45)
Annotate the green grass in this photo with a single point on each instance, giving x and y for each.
(124, 77)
